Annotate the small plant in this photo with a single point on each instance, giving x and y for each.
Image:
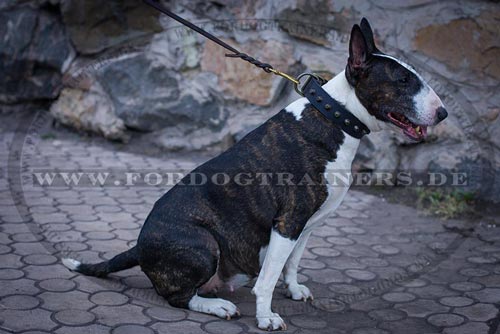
(48, 135)
(445, 203)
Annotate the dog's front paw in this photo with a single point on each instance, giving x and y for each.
(272, 322)
(299, 292)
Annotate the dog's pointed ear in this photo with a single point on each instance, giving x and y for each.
(358, 54)
(367, 31)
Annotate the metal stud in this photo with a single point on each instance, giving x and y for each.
(337, 114)
(328, 107)
(319, 99)
(312, 91)
(356, 128)
(347, 122)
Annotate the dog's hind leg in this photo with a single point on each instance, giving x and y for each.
(183, 266)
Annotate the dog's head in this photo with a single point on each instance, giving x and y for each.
(389, 89)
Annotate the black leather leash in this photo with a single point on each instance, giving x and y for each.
(311, 89)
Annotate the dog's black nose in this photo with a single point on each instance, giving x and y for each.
(441, 113)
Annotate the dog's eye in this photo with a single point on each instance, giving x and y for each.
(403, 79)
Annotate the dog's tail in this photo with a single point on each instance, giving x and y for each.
(125, 260)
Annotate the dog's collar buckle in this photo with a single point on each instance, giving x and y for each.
(329, 107)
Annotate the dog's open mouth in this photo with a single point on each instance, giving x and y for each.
(415, 132)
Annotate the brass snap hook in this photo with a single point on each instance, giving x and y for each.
(298, 86)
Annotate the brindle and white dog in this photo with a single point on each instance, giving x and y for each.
(198, 239)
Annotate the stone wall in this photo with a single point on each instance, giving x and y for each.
(118, 67)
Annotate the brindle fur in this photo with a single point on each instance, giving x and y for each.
(190, 225)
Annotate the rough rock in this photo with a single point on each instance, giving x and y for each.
(89, 110)
(469, 44)
(382, 146)
(98, 25)
(35, 49)
(149, 96)
(243, 80)
(313, 21)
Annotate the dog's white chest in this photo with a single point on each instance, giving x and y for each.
(338, 174)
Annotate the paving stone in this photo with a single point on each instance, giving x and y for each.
(109, 298)
(445, 320)
(421, 308)
(360, 275)
(24, 320)
(414, 283)
(71, 246)
(47, 271)
(18, 286)
(473, 272)
(58, 301)
(329, 305)
(40, 259)
(57, 285)
(482, 259)
(468, 328)
(349, 320)
(341, 241)
(307, 322)
(114, 315)
(326, 231)
(456, 301)
(11, 261)
(369, 331)
(221, 326)
(408, 326)
(466, 286)
(329, 252)
(10, 274)
(352, 230)
(345, 289)
(26, 237)
(132, 329)
(488, 295)
(27, 248)
(386, 249)
(432, 291)
(166, 314)
(374, 262)
(100, 235)
(369, 304)
(326, 276)
(387, 315)
(19, 302)
(398, 297)
(178, 327)
(93, 329)
(478, 312)
(490, 281)
(74, 317)
(311, 264)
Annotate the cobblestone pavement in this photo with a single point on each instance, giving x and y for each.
(373, 267)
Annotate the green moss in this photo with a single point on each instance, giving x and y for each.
(445, 203)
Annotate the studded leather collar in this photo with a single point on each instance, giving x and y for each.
(332, 109)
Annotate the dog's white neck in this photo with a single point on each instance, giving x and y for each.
(340, 89)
